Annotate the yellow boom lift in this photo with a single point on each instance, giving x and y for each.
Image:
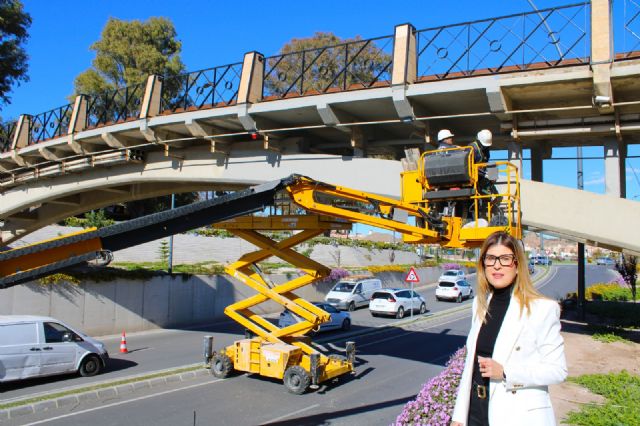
(446, 200)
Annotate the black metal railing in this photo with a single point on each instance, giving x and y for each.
(630, 29)
(50, 124)
(113, 106)
(7, 131)
(354, 65)
(541, 39)
(207, 88)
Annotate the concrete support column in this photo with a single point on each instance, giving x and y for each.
(514, 155)
(536, 164)
(21, 135)
(405, 57)
(78, 120)
(251, 79)
(614, 168)
(602, 53)
(152, 97)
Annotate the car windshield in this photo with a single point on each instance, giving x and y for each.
(446, 284)
(344, 287)
(454, 273)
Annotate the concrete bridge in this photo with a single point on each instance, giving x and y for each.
(538, 80)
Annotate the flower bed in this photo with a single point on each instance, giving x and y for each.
(434, 404)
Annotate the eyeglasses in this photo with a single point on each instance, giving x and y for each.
(505, 260)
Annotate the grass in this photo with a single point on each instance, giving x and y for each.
(622, 393)
(200, 268)
(609, 337)
(97, 387)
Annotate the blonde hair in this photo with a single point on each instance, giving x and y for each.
(523, 289)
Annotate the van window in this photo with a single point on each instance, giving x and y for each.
(19, 334)
(54, 332)
(358, 288)
(344, 287)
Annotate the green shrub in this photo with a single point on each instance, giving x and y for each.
(608, 292)
(620, 314)
(622, 391)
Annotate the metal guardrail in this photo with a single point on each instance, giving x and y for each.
(113, 106)
(353, 65)
(545, 38)
(7, 131)
(207, 88)
(50, 124)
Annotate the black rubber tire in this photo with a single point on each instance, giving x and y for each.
(423, 309)
(221, 365)
(351, 307)
(459, 298)
(374, 315)
(346, 324)
(296, 379)
(90, 366)
(400, 313)
(470, 295)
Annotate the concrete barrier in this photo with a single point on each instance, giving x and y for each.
(102, 308)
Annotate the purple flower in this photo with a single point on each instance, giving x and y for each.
(435, 402)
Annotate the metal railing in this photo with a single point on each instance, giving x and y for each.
(545, 38)
(7, 131)
(50, 124)
(207, 88)
(113, 106)
(631, 29)
(357, 64)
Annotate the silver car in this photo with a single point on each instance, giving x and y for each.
(457, 290)
(339, 319)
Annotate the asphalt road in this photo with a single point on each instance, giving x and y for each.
(393, 363)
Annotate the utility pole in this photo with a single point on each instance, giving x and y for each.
(170, 266)
(581, 258)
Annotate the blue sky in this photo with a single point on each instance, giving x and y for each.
(217, 33)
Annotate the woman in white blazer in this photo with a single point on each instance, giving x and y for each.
(514, 347)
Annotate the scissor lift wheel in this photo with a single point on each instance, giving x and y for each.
(221, 365)
(296, 379)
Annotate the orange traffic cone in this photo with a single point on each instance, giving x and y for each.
(123, 343)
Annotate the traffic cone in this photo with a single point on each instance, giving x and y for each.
(123, 343)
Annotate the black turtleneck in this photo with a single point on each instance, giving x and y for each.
(490, 329)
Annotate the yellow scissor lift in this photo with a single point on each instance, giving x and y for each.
(286, 353)
(282, 353)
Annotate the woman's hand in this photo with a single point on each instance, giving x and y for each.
(490, 368)
(456, 424)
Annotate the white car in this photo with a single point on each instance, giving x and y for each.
(457, 290)
(451, 275)
(396, 301)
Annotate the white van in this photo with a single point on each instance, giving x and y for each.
(34, 346)
(349, 293)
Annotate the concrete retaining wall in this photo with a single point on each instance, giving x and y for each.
(162, 302)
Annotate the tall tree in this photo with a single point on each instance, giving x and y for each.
(325, 61)
(14, 22)
(128, 52)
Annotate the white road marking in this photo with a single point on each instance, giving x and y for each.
(291, 414)
(122, 403)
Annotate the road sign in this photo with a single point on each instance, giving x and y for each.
(412, 276)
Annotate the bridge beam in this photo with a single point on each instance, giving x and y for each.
(151, 101)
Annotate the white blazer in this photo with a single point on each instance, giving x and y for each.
(531, 350)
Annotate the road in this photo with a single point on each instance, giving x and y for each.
(393, 364)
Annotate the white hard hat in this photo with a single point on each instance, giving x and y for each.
(444, 134)
(485, 137)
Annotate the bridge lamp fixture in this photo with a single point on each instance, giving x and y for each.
(406, 119)
(602, 101)
(254, 136)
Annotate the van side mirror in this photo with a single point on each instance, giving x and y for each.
(67, 337)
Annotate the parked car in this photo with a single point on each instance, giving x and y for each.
(339, 319)
(351, 293)
(397, 302)
(605, 261)
(452, 274)
(541, 260)
(457, 290)
(34, 346)
(532, 267)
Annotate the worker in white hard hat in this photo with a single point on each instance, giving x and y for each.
(481, 152)
(445, 139)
